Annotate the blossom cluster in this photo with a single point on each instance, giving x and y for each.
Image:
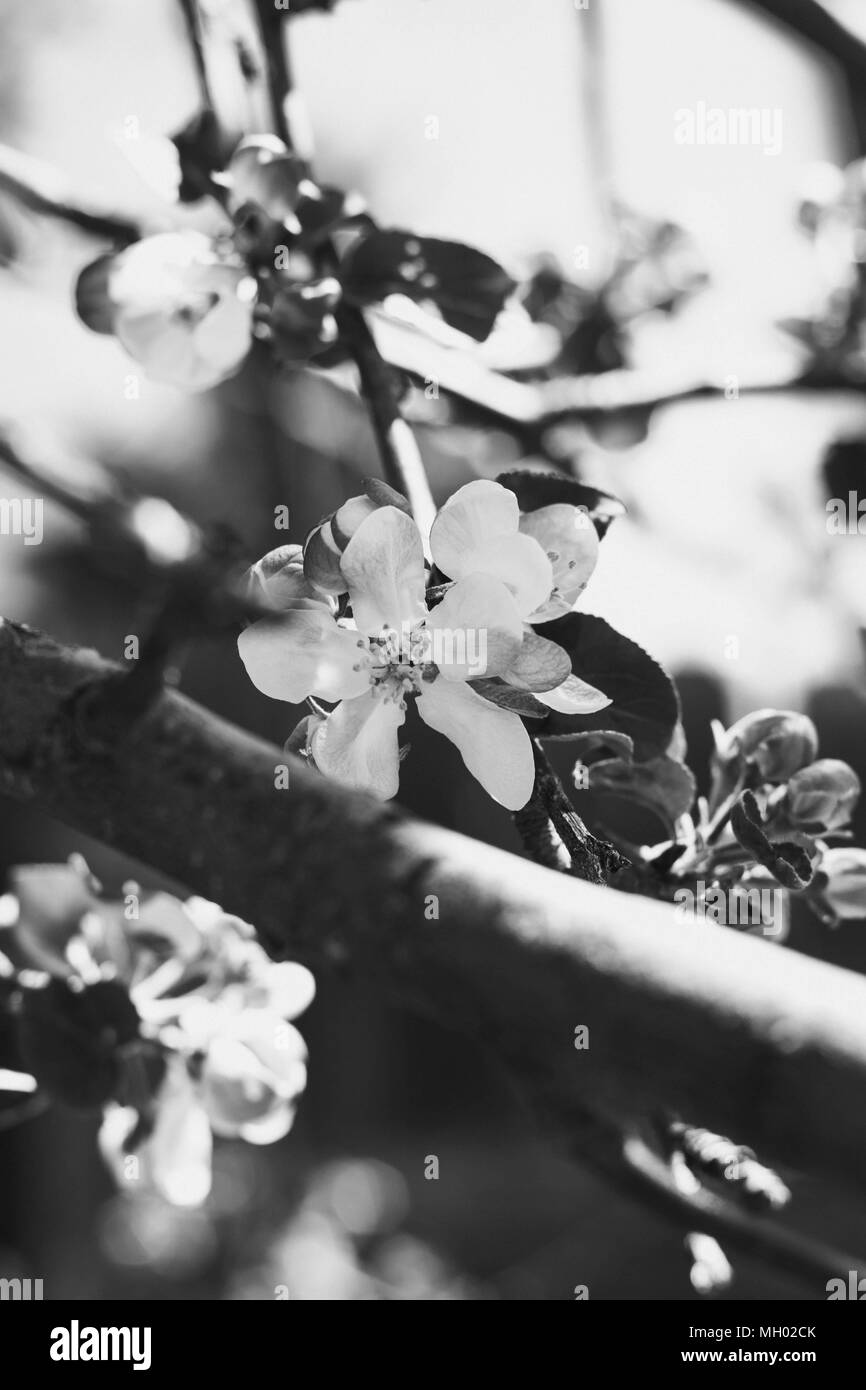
(776, 821)
(187, 303)
(800, 801)
(164, 1014)
(364, 623)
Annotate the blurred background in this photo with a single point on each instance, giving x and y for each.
(547, 122)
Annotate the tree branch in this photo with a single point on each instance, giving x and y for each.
(747, 1038)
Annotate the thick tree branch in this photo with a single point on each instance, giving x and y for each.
(747, 1038)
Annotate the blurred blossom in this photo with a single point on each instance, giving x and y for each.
(839, 892)
(364, 1196)
(822, 796)
(776, 743)
(207, 1045)
(179, 304)
(341, 1245)
(144, 1232)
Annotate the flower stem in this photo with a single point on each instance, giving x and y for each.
(192, 20)
(402, 463)
(273, 30)
(590, 859)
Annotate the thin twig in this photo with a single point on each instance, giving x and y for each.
(591, 859)
(401, 458)
(43, 189)
(273, 31)
(192, 20)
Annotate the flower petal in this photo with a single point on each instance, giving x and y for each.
(272, 1127)
(476, 532)
(278, 579)
(302, 653)
(493, 743)
(175, 1158)
(539, 665)
(383, 566)
(570, 541)
(476, 630)
(52, 900)
(574, 696)
(178, 1152)
(520, 563)
(357, 744)
(476, 515)
(289, 988)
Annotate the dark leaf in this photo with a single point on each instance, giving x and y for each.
(468, 288)
(645, 704)
(663, 785)
(70, 1039)
(321, 214)
(202, 149)
(786, 861)
(597, 747)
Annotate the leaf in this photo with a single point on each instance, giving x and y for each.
(602, 746)
(534, 489)
(468, 287)
(520, 702)
(664, 785)
(645, 704)
(788, 862)
(70, 1039)
(202, 149)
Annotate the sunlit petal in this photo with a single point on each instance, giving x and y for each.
(302, 653)
(357, 744)
(476, 515)
(492, 741)
(383, 566)
(476, 630)
(574, 696)
(570, 541)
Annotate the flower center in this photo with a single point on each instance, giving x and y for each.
(195, 308)
(398, 662)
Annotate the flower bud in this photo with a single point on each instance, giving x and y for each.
(822, 796)
(278, 579)
(777, 742)
(253, 1073)
(93, 302)
(845, 891)
(324, 546)
(301, 319)
(264, 171)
